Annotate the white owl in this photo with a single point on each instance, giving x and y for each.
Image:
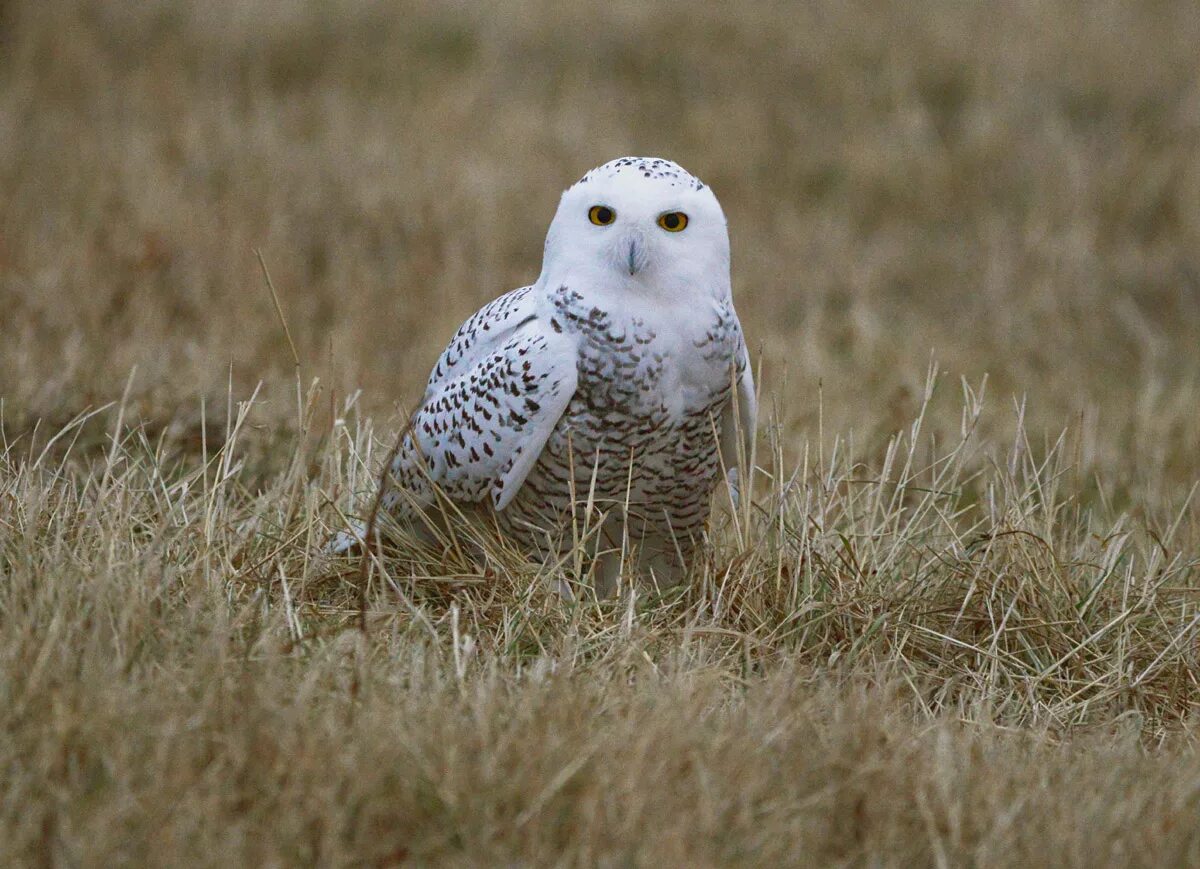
(619, 380)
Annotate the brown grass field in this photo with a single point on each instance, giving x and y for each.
(958, 623)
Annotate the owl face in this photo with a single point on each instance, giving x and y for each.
(640, 223)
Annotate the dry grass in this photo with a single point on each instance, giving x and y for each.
(944, 630)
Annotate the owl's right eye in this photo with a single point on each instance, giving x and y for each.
(601, 215)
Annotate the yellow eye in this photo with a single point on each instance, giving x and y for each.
(673, 221)
(601, 215)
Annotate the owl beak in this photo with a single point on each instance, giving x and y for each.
(637, 255)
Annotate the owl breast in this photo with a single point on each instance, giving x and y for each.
(640, 434)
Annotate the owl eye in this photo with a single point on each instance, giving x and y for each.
(601, 215)
(673, 221)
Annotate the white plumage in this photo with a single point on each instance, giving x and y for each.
(607, 381)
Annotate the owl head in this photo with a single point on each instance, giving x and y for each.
(639, 224)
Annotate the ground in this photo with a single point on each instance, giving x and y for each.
(957, 620)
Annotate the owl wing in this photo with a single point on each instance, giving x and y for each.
(739, 420)
(493, 398)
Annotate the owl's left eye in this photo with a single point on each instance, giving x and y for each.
(673, 221)
(601, 215)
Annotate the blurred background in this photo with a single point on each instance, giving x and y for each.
(1010, 189)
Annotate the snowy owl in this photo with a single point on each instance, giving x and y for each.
(618, 383)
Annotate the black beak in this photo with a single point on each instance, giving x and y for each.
(637, 256)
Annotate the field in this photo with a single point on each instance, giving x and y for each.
(958, 621)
